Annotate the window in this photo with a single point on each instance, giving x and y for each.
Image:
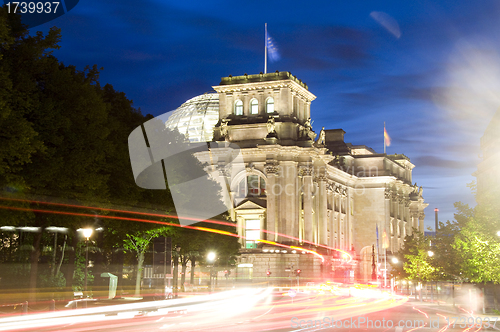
(270, 105)
(252, 185)
(254, 106)
(238, 107)
(252, 232)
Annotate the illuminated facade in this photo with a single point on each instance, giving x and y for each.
(306, 190)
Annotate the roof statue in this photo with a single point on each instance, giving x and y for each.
(321, 139)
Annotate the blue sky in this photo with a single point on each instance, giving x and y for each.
(435, 83)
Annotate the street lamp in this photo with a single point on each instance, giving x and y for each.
(87, 233)
(211, 256)
(430, 253)
(498, 233)
(211, 259)
(395, 260)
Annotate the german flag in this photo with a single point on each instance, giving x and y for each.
(387, 139)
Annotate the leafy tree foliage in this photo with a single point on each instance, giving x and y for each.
(479, 253)
(139, 242)
(64, 137)
(466, 248)
(414, 261)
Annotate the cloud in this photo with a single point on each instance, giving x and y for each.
(388, 22)
(433, 161)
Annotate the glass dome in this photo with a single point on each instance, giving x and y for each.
(196, 118)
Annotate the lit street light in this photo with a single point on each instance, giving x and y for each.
(87, 233)
(430, 253)
(395, 260)
(211, 259)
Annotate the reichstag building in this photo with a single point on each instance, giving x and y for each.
(302, 198)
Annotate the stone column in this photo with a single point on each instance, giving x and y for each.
(287, 215)
(277, 99)
(387, 218)
(293, 108)
(401, 209)
(414, 219)
(262, 227)
(347, 228)
(300, 209)
(241, 230)
(394, 221)
(262, 103)
(246, 106)
(331, 223)
(421, 217)
(316, 212)
(271, 169)
(306, 172)
(409, 223)
(322, 211)
(338, 202)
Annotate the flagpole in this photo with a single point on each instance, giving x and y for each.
(384, 134)
(265, 52)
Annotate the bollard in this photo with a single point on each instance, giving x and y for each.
(52, 305)
(25, 307)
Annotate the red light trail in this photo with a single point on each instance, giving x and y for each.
(161, 222)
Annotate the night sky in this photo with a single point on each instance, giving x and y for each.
(430, 70)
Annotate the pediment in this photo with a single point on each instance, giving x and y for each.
(252, 204)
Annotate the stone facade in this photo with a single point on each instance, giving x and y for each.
(292, 187)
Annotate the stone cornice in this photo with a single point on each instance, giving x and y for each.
(256, 86)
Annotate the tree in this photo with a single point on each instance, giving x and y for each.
(416, 263)
(139, 242)
(19, 53)
(479, 252)
(196, 244)
(61, 135)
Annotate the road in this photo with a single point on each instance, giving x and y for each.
(263, 309)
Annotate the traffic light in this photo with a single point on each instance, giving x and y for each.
(297, 272)
(268, 273)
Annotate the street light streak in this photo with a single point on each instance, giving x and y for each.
(152, 215)
(205, 229)
(423, 313)
(157, 215)
(170, 224)
(445, 327)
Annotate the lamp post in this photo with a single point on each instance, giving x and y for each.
(394, 261)
(211, 259)
(87, 233)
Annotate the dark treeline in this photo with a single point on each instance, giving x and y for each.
(64, 138)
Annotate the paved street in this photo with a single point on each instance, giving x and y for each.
(260, 310)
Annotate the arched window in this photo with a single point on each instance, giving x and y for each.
(238, 107)
(270, 105)
(254, 106)
(252, 185)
